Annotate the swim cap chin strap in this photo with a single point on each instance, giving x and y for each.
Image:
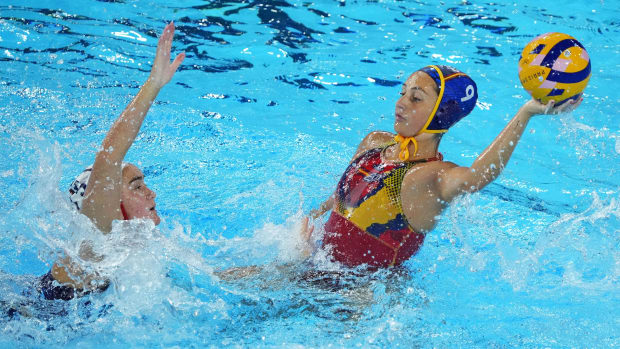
(403, 142)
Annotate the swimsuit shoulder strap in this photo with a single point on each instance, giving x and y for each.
(388, 143)
(439, 157)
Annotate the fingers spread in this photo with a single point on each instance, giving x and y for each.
(568, 106)
(177, 61)
(169, 30)
(571, 105)
(578, 102)
(162, 70)
(165, 40)
(549, 106)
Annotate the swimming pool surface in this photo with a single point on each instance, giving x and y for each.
(256, 128)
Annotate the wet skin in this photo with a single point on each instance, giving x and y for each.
(137, 198)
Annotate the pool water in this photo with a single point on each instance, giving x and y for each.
(255, 130)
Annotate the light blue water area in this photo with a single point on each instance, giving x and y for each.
(256, 128)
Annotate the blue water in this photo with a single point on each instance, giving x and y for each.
(256, 128)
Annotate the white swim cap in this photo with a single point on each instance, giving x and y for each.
(78, 188)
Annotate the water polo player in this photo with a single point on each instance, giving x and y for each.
(111, 189)
(393, 191)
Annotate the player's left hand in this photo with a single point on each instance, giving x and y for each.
(162, 70)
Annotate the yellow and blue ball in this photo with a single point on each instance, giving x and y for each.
(554, 66)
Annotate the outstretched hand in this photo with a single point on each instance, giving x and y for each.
(534, 107)
(162, 70)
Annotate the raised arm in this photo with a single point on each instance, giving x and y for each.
(103, 194)
(488, 166)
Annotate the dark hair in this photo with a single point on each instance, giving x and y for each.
(436, 87)
(435, 83)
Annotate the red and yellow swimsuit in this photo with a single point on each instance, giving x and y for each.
(368, 225)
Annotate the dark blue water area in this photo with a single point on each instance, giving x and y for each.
(255, 130)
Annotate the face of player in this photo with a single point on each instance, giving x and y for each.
(138, 200)
(416, 103)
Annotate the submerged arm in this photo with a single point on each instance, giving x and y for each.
(488, 166)
(103, 195)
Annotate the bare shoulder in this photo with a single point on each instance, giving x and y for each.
(421, 197)
(429, 172)
(377, 136)
(431, 177)
(455, 180)
(443, 166)
(372, 140)
(375, 139)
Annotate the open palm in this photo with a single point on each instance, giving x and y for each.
(162, 70)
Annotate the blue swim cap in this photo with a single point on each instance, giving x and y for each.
(457, 97)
